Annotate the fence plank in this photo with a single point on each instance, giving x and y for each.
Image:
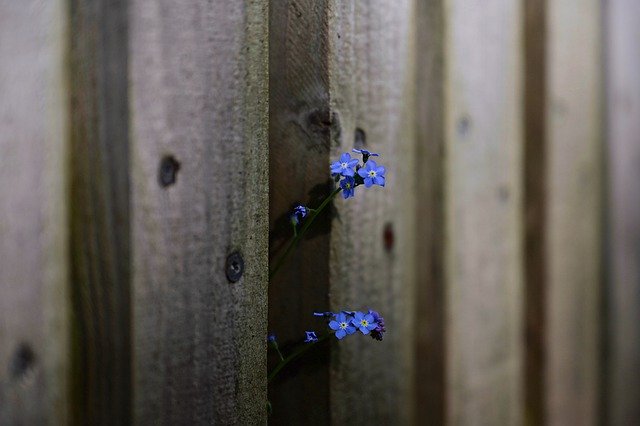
(372, 249)
(34, 305)
(99, 211)
(623, 134)
(484, 201)
(199, 193)
(573, 239)
(301, 131)
(430, 282)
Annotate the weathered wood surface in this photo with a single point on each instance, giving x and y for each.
(34, 308)
(623, 252)
(301, 131)
(574, 205)
(429, 232)
(199, 192)
(484, 143)
(372, 80)
(99, 213)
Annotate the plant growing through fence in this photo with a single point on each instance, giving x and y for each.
(348, 174)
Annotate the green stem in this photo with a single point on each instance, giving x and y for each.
(280, 354)
(305, 227)
(295, 355)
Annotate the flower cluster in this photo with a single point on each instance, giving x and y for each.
(344, 323)
(350, 173)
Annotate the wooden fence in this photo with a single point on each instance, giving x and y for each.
(151, 151)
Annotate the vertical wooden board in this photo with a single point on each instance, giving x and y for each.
(623, 258)
(199, 193)
(484, 287)
(301, 130)
(99, 213)
(372, 80)
(429, 232)
(573, 182)
(34, 306)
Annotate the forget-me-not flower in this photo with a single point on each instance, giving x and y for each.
(379, 331)
(299, 212)
(344, 166)
(342, 325)
(372, 174)
(365, 154)
(348, 185)
(310, 337)
(364, 322)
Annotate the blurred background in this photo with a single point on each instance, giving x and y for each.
(151, 153)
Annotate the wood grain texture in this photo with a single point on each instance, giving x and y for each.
(484, 231)
(301, 130)
(198, 92)
(372, 79)
(430, 284)
(34, 303)
(99, 212)
(574, 203)
(623, 258)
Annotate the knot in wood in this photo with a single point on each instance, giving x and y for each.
(168, 171)
(234, 267)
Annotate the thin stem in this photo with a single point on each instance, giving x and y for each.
(297, 237)
(279, 353)
(294, 355)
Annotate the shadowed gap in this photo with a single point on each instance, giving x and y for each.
(99, 213)
(534, 207)
(430, 239)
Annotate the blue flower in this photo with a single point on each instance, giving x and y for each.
(372, 174)
(271, 338)
(299, 212)
(366, 154)
(379, 331)
(364, 322)
(348, 185)
(344, 166)
(310, 337)
(342, 325)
